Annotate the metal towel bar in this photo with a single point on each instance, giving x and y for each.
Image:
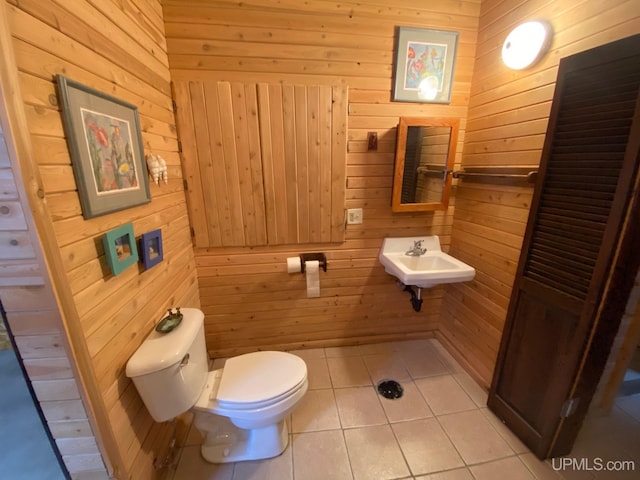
(527, 175)
(431, 172)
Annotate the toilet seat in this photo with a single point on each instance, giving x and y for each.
(254, 380)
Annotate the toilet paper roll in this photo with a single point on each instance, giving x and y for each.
(312, 269)
(293, 265)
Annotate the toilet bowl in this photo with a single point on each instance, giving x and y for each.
(236, 431)
(240, 409)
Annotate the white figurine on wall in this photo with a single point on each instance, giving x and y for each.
(163, 169)
(154, 168)
(157, 168)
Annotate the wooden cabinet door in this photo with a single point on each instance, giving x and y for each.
(588, 169)
(264, 164)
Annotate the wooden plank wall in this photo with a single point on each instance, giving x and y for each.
(508, 116)
(249, 300)
(18, 265)
(118, 48)
(37, 329)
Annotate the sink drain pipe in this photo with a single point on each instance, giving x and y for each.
(416, 301)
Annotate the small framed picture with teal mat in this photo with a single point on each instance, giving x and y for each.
(120, 248)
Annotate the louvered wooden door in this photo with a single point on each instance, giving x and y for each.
(588, 166)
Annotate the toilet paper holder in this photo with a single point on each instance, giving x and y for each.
(320, 257)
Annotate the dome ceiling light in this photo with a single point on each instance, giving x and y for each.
(526, 44)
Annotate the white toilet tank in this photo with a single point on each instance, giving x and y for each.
(170, 369)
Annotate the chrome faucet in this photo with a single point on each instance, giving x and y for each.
(417, 249)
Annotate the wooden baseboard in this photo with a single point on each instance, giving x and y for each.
(336, 342)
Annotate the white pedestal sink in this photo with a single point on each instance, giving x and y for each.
(428, 269)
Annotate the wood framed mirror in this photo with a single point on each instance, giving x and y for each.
(425, 153)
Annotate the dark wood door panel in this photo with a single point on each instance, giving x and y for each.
(579, 214)
(537, 365)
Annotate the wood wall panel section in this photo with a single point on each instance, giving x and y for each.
(266, 162)
(118, 48)
(263, 305)
(29, 307)
(26, 295)
(508, 116)
(18, 262)
(249, 300)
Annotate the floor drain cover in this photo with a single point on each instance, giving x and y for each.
(390, 389)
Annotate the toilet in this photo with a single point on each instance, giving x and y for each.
(240, 409)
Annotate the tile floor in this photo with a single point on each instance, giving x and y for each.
(439, 430)
(613, 436)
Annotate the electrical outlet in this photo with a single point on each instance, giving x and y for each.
(354, 216)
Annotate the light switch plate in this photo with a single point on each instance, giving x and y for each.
(354, 216)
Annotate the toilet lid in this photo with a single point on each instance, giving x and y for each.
(260, 376)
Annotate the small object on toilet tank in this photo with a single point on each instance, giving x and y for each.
(171, 321)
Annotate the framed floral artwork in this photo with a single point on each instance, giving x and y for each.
(120, 248)
(425, 60)
(103, 136)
